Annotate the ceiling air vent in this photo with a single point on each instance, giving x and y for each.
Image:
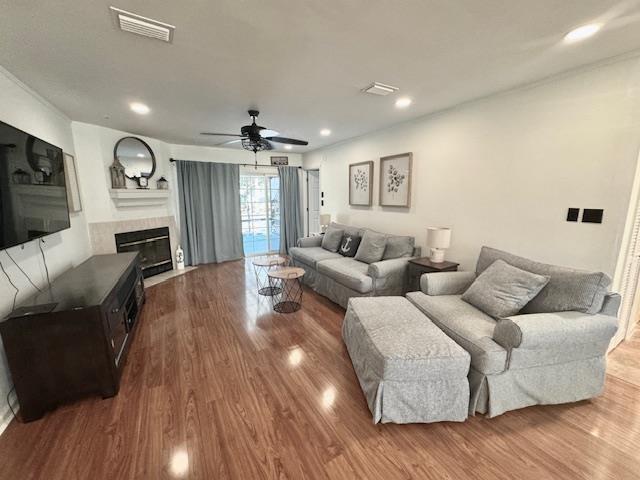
(147, 27)
(377, 88)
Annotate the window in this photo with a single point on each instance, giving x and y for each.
(260, 207)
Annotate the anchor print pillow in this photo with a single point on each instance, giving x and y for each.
(349, 245)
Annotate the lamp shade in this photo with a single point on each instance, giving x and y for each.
(325, 219)
(438, 237)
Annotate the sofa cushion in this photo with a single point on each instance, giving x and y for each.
(347, 272)
(350, 229)
(567, 290)
(398, 247)
(311, 255)
(468, 326)
(502, 289)
(332, 238)
(371, 247)
(349, 245)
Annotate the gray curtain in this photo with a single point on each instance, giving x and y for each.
(210, 221)
(290, 208)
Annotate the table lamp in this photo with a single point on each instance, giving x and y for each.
(438, 240)
(325, 220)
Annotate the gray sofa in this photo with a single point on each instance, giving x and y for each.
(340, 278)
(553, 351)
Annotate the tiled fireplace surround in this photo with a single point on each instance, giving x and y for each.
(102, 234)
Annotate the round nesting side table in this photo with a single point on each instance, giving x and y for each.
(288, 282)
(261, 267)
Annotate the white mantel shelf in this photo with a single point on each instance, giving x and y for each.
(129, 197)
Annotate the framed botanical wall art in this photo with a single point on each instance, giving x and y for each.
(395, 180)
(360, 184)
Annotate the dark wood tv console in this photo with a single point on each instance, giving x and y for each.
(71, 340)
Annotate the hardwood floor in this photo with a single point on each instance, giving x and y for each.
(217, 386)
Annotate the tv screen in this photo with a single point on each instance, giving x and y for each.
(33, 192)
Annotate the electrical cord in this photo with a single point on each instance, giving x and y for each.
(23, 272)
(46, 269)
(15, 295)
(9, 403)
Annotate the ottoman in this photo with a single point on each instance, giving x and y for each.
(408, 369)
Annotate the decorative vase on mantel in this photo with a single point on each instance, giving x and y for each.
(118, 179)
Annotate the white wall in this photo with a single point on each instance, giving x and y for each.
(94, 147)
(27, 111)
(503, 170)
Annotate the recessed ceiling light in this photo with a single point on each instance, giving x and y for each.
(287, 147)
(139, 108)
(325, 132)
(403, 102)
(582, 33)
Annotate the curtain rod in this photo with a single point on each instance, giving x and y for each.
(172, 160)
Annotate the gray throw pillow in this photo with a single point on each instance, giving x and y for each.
(371, 247)
(568, 289)
(332, 238)
(398, 247)
(503, 290)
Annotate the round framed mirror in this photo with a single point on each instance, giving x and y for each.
(137, 158)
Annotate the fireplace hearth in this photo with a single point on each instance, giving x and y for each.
(153, 245)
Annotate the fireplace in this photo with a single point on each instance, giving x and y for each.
(154, 248)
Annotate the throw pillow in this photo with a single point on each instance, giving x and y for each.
(349, 245)
(503, 290)
(331, 239)
(371, 247)
(398, 247)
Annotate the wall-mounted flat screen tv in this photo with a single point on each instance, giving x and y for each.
(33, 192)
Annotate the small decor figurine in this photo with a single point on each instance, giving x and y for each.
(163, 184)
(21, 177)
(118, 179)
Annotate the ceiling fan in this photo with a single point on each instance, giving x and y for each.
(256, 138)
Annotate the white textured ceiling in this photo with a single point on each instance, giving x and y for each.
(301, 62)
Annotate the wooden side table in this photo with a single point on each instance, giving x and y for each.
(420, 266)
(286, 285)
(261, 266)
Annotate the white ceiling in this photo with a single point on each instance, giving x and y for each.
(301, 62)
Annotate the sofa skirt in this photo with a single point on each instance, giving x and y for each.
(545, 385)
(328, 287)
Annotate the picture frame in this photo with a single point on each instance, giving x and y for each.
(395, 180)
(360, 184)
(73, 190)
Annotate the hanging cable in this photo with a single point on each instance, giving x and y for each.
(46, 269)
(23, 272)
(15, 295)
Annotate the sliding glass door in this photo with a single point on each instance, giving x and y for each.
(260, 207)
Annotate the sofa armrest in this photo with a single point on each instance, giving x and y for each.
(611, 304)
(306, 242)
(385, 268)
(446, 283)
(554, 330)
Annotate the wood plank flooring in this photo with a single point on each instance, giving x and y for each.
(218, 386)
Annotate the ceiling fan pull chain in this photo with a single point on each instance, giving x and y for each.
(256, 155)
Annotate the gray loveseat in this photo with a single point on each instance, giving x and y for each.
(340, 278)
(553, 351)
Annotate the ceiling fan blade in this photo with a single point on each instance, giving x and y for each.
(222, 134)
(290, 141)
(229, 142)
